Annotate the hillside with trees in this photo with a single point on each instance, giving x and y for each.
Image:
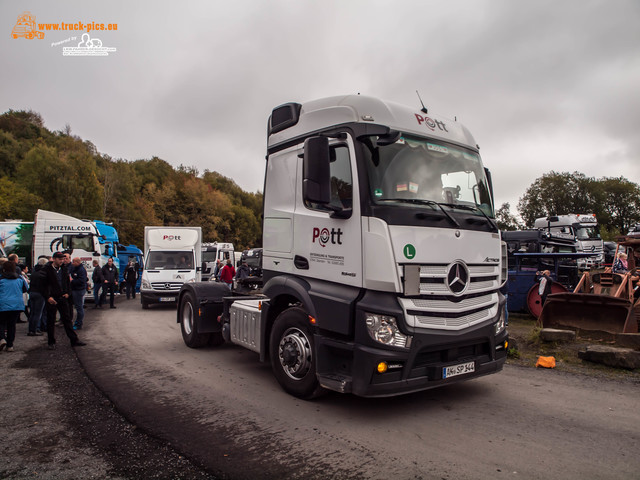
(60, 172)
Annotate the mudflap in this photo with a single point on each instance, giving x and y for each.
(586, 311)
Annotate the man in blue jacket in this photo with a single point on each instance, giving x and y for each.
(78, 289)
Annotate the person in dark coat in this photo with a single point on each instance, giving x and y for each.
(78, 289)
(110, 273)
(66, 264)
(98, 284)
(130, 278)
(37, 318)
(58, 291)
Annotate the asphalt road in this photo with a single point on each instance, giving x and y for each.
(222, 408)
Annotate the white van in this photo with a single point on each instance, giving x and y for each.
(172, 257)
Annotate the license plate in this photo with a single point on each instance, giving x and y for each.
(459, 369)
(167, 299)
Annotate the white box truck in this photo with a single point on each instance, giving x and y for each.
(382, 262)
(172, 257)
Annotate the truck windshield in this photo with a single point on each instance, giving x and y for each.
(78, 242)
(210, 256)
(422, 171)
(588, 233)
(170, 260)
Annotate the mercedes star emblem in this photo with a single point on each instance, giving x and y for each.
(457, 278)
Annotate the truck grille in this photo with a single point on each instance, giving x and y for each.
(167, 286)
(440, 307)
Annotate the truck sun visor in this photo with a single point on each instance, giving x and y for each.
(283, 117)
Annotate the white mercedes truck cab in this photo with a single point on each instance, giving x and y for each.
(585, 231)
(382, 261)
(172, 257)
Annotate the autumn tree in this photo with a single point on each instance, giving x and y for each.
(620, 201)
(506, 220)
(558, 194)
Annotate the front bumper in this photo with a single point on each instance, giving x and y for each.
(352, 368)
(159, 296)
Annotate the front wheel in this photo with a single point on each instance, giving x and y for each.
(188, 311)
(292, 354)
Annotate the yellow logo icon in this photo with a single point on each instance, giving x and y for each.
(26, 27)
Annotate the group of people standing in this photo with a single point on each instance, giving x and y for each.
(225, 272)
(57, 286)
(51, 289)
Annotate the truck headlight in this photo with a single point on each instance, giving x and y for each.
(500, 324)
(145, 283)
(384, 329)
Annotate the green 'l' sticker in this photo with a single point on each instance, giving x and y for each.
(409, 251)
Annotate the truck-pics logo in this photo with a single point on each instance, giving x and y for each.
(171, 237)
(26, 27)
(430, 123)
(325, 236)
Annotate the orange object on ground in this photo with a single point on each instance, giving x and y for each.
(546, 362)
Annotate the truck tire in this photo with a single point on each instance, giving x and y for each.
(189, 322)
(291, 352)
(145, 305)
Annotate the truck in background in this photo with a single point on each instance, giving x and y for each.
(253, 257)
(211, 252)
(53, 232)
(172, 257)
(585, 231)
(108, 238)
(126, 254)
(382, 261)
(16, 237)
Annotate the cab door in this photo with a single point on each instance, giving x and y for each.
(327, 237)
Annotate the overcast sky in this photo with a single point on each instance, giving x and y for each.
(542, 85)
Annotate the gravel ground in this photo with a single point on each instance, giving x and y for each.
(55, 424)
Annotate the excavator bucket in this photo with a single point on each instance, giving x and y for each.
(588, 311)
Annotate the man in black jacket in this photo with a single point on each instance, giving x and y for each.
(110, 273)
(57, 287)
(130, 278)
(78, 290)
(98, 284)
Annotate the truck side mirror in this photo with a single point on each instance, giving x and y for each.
(316, 176)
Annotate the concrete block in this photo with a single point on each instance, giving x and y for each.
(555, 335)
(611, 356)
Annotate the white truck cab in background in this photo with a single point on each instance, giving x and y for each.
(584, 228)
(172, 257)
(211, 252)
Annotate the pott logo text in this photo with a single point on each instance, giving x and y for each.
(324, 236)
(430, 123)
(171, 237)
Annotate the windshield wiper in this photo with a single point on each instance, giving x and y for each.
(473, 208)
(418, 201)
